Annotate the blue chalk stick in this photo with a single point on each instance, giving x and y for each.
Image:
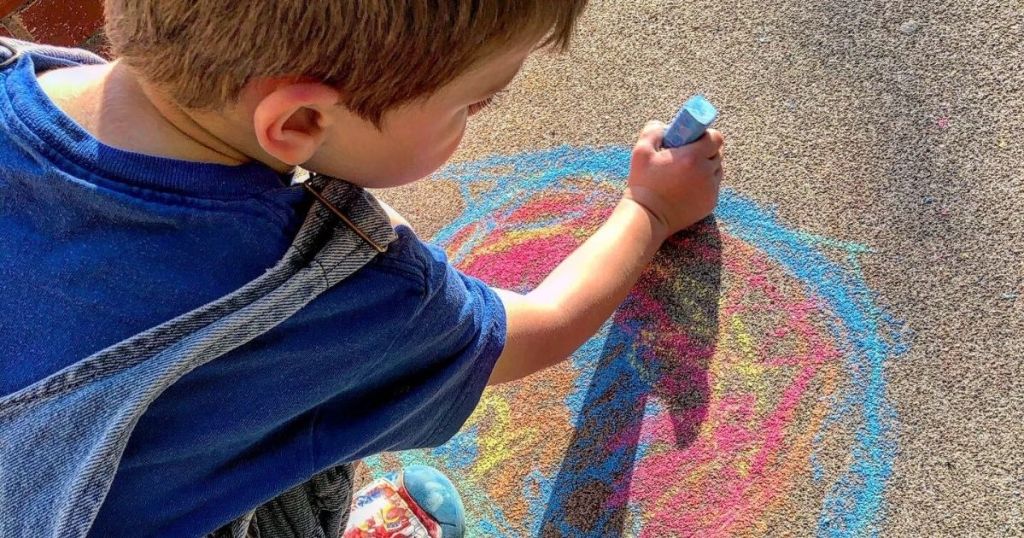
(690, 123)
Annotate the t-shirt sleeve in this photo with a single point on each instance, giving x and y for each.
(418, 356)
(461, 329)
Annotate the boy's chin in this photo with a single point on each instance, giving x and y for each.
(371, 181)
(373, 174)
(393, 181)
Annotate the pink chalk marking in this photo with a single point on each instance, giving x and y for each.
(554, 205)
(524, 264)
(526, 261)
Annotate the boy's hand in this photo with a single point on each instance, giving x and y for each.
(669, 189)
(677, 186)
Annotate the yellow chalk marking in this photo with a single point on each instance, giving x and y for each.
(497, 442)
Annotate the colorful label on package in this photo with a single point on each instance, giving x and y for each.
(385, 510)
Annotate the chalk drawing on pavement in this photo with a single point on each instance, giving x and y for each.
(746, 352)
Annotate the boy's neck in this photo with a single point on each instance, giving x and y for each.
(110, 103)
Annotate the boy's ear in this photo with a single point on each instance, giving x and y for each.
(291, 120)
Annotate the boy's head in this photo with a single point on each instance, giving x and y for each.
(374, 91)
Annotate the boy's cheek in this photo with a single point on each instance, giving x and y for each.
(454, 145)
(433, 148)
(397, 158)
(449, 149)
(429, 162)
(410, 165)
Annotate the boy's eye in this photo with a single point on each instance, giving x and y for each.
(478, 106)
(490, 101)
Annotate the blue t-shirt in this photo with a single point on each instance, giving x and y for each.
(99, 244)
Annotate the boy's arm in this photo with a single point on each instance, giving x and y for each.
(669, 190)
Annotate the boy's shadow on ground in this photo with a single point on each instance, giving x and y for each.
(586, 497)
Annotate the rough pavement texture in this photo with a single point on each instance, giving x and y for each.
(849, 364)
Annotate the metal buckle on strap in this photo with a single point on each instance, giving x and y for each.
(343, 218)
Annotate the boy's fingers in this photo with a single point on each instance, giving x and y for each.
(716, 136)
(706, 147)
(710, 165)
(710, 144)
(652, 134)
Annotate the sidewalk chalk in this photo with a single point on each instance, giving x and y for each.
(690, 123)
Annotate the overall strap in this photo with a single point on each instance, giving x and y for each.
(63, 436)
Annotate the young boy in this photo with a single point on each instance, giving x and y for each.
(134, 191)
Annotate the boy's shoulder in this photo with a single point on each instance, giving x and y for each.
(424, 264)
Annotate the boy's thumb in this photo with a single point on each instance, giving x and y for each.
(652, 135)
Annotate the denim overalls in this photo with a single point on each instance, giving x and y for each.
(61, 438)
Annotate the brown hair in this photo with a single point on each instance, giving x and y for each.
(379, 53)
